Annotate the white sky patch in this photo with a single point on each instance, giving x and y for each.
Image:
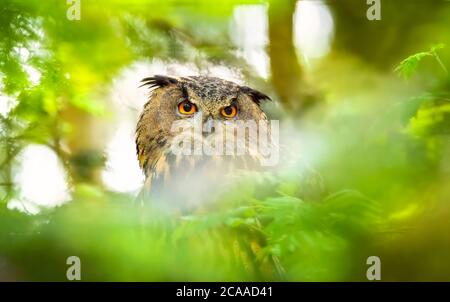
(125, 91)
(34, 75)
(33, 49)
(249, 32)
(24, 206)
(224, 72)
(7, 103)
(313, 29)
(40, 178)
(25, 55)
(122, 172)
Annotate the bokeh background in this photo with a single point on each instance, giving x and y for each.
(365, 103)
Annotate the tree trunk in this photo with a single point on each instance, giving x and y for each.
(287, 74)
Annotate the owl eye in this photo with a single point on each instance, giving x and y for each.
(187, 108)
(229, 111)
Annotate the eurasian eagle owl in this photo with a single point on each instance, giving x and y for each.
(194, 100)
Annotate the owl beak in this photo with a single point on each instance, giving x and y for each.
(208, 126)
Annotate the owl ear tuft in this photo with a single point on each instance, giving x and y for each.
(257, 96)
(158, 81)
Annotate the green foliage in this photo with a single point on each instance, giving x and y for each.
(408, 66)
(118, 241)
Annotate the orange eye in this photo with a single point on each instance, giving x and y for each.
(229, 111)
(187, 108)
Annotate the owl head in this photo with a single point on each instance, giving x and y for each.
(193, 100)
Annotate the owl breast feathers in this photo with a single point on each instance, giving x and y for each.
(177, 108)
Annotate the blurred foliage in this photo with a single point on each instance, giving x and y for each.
(382, 184)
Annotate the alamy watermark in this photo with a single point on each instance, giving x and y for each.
(257, 139)
(374, 271)
(374, 10)
(73, 10)
(73, 272)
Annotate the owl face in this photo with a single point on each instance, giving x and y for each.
(199, 100)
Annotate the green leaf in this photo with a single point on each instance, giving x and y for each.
(408, 66)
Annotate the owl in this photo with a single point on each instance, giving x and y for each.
(189, 110)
